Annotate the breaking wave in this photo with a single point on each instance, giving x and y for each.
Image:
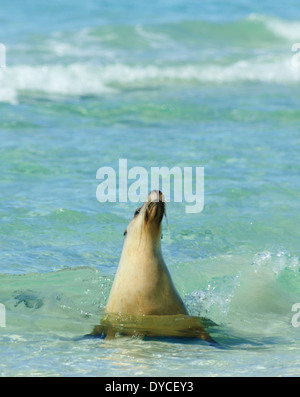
(86, 79)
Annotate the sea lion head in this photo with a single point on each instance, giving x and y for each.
(147, 218)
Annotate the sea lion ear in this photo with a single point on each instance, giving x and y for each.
(125, 232)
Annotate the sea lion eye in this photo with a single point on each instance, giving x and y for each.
(125, 232)
(137, 211)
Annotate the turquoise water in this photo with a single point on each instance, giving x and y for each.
(171, 83)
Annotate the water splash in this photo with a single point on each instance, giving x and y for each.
(264, 287)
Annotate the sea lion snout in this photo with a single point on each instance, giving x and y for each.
(155, 206)
(156, 196)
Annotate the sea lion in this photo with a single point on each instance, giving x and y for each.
(143, 284)
(143, 299)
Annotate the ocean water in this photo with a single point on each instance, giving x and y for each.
(165, 83)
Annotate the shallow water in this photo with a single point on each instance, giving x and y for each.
(162, 84)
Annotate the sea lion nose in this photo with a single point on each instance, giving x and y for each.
(156, 196)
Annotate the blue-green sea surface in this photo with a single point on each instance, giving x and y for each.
(165, 83)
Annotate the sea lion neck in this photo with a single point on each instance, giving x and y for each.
(146, 238)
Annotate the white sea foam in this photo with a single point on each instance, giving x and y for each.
(76, 79)
(289, 30)
(88, 79)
